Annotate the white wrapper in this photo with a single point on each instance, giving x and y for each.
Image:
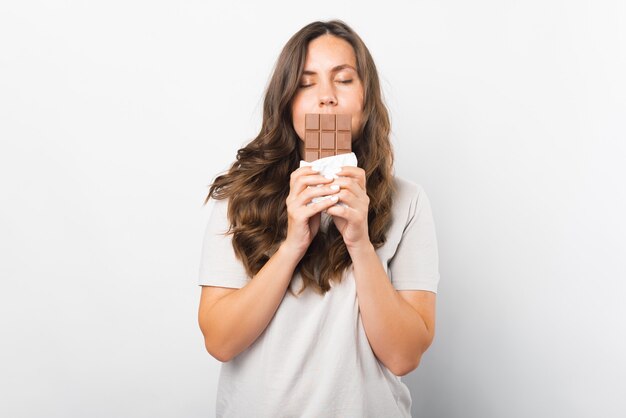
(329, 167)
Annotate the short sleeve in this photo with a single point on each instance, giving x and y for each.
(415, 264)
(219, 265)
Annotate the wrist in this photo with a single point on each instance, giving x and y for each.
(361, 248)
(290, 251)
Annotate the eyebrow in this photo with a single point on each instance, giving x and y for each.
(333, 70)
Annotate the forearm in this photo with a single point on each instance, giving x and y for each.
(238, 319)
(395, 330)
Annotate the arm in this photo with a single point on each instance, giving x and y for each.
(399, 325)
(232, 319)
(233, 322)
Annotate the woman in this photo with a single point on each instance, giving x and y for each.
(316, 309)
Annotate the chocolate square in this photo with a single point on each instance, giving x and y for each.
(326, 135)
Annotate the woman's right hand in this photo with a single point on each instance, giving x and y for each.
(304, 221)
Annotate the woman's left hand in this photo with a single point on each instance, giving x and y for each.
(351, 220)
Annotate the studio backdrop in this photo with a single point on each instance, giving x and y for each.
(116, 116)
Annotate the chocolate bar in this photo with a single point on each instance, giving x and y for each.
(326, 135)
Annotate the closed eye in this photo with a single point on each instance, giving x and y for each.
(339, 81)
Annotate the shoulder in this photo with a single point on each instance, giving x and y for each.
(407, 193)
(406, 188)
(219, 205)
(218, 215)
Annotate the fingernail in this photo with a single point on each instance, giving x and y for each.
(334, 186)
(334, 198)
(329, 176)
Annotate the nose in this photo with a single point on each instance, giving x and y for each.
(329, 100)
(327, 96)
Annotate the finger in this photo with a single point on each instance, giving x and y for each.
(355, 173)
(300, 172)
(351, 215)
(348, 198)
(320, 206)
(317, 191)
(341, 211)
(302, 180)
(349, 183)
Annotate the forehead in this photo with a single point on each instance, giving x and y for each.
(327, 51)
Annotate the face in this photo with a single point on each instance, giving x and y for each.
(329, 84)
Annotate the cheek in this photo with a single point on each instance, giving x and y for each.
(357, 121)
(356, 106)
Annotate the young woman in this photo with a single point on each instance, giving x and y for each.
(316, 309)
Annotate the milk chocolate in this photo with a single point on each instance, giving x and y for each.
(326, 135)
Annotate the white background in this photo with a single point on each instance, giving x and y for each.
(115, 116)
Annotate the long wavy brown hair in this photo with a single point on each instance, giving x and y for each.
(257, 183)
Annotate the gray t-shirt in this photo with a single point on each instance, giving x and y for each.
(314, 359)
